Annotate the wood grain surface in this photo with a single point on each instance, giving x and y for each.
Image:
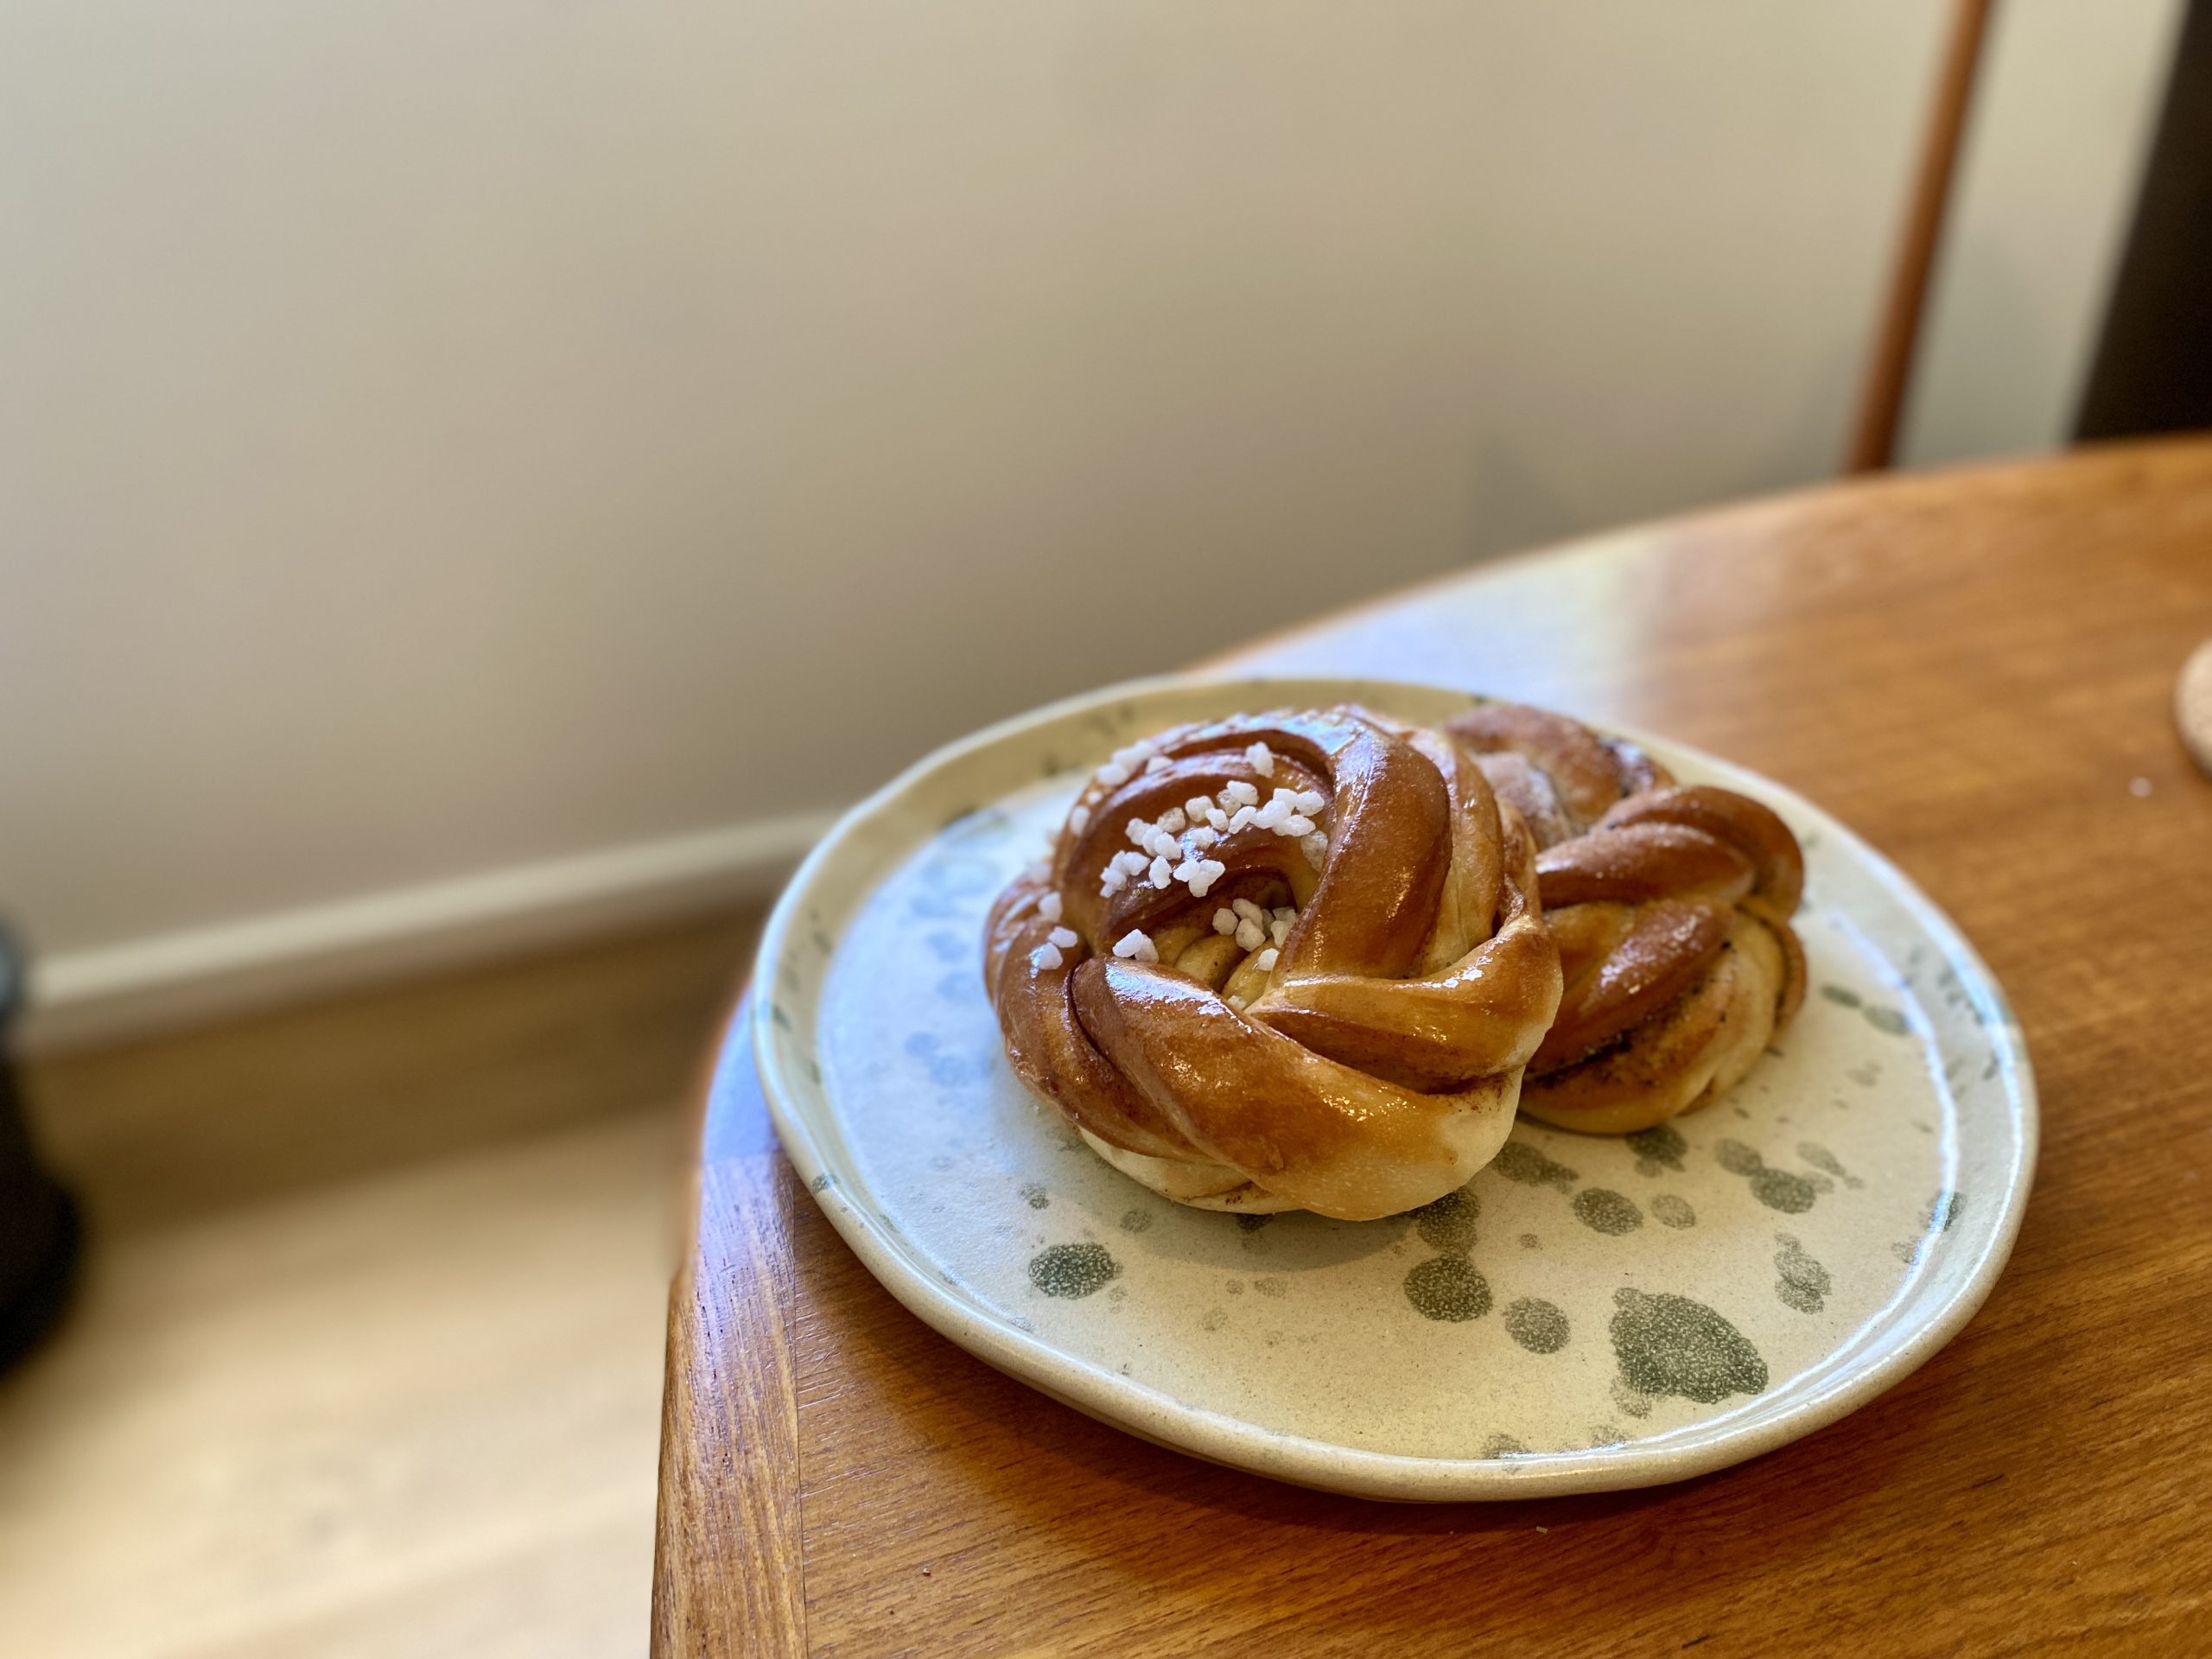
(1976, 670)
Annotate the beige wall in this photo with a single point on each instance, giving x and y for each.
(2047, 179)
(435, 437)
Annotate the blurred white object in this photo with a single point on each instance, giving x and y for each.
(2193, 705)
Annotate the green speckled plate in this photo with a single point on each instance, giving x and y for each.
(1588, 1313)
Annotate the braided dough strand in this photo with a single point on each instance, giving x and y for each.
(1669, 906)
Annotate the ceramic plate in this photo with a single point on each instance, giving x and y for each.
(1589, 1312)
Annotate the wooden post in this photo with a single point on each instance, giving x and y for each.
(1889, 371)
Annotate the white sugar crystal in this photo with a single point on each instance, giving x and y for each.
(1244, 816)
(1199, 837)
(1262, 760)
(1217, 820)
(1279, 930)
(1311, 801)
(1162, 845)
(1113, 774)
(1129, 863)
(1283, 913)
(1198, 809)
(1135, 945)
(1185, 870)
(1161, 874)
(1049, 906)
(1271, 816)
(1063, 937)
(1158, 763)
(1175, 820)
(1289, 795)
(1250, 936)
(1138, 830)
(1249, 910)
(1211, 870)
(1237, 1003)
(1047, 956)
(1224, 921)
(1079, 820)
(1111, 881)
(1265, 962)
(1296, 824)
(1242, 793)
(1316, 848)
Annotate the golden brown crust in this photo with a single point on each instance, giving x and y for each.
(1050, 1051)
(1682, 1057)
(1752, 830)
(1584, 772)
(1671, 906)
(1375, 1062)
(1655, 954)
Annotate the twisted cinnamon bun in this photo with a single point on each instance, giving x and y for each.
(1287, 961)
(1670, 906)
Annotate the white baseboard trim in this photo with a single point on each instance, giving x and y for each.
(113, 992)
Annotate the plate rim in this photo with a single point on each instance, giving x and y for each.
(1152, 1414)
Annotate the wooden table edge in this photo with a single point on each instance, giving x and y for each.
(755, 1472)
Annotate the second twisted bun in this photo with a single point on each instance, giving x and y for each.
(1671, 906)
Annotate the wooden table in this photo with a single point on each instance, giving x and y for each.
(1975, 670)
